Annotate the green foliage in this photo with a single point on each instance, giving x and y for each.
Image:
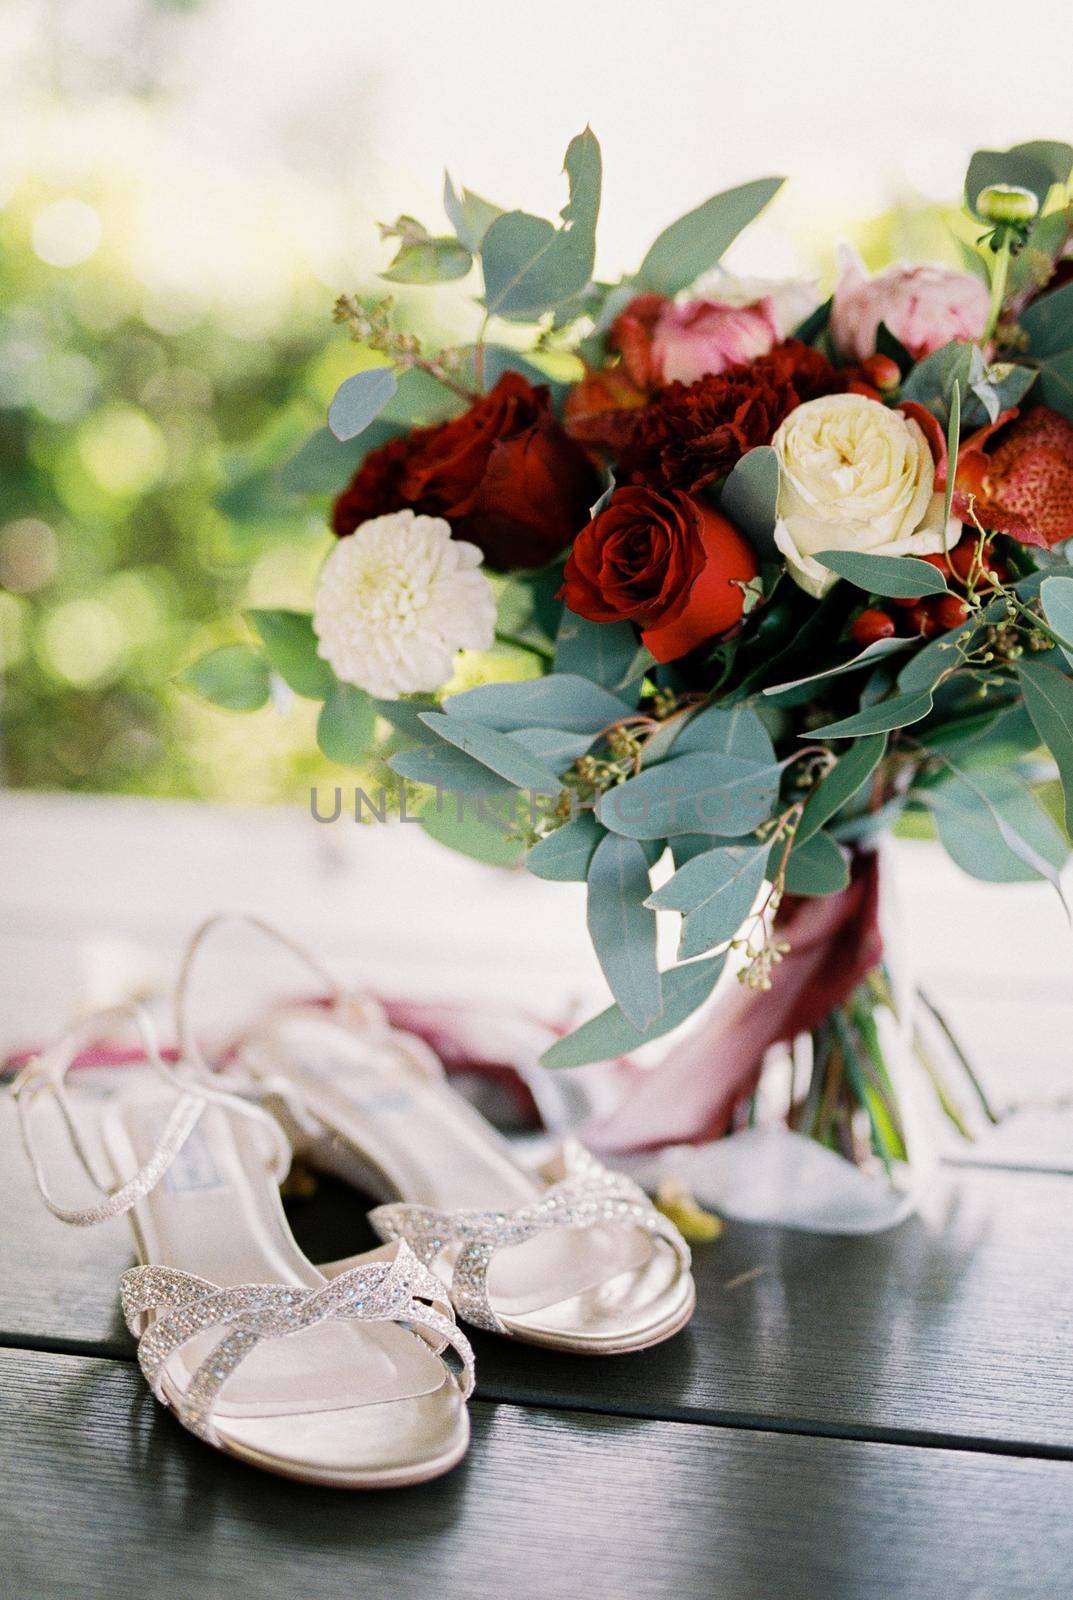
(841, 784)
(1049, 702)
(714, 892)
(359, 400)
(991, 825)
(529, 265)
(346, 724)
(902, 577)
(623, 928)
(750, 497)
(709, 792)
(235, 677)
(818, 865)
(564, 856)
(561, 700)
(698, 240)
(501, 754)
(682, 991)
(1027, 166)
(468, 214)
(602, 651)
(291, 647)
(897, 711)
(1056, 597)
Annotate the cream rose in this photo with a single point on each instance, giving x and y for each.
(854, 476)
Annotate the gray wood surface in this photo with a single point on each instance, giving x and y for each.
(953, 1328)
(106, 1498)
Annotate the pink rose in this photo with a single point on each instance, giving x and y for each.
(700, 337)
(923, 306)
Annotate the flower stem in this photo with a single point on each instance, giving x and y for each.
(998, 285)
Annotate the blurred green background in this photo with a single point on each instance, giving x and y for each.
(159, 359)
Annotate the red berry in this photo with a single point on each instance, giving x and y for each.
(903, 602)
(922, 619)
(940, 562)
(963, 557)
(951, 611)
(882, 371)
(855, 386)
(871, 625)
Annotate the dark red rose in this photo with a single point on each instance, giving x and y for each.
(376, 487)
(664, 561)
(691, 434)
(504, 474)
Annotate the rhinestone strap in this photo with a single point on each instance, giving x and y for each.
(399, 1290)
(587, 1194)
(45, 1076)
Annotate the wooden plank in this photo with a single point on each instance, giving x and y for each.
(105, 1497)
(951, 1327)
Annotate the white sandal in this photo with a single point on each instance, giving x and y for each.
(335, 1381)
(571, 1256)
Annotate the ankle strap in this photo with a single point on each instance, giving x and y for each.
(46, 1074)
(357, 1008)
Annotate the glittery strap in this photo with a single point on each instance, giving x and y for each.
(46, 1074)
(585, 1195)
(397, 1290)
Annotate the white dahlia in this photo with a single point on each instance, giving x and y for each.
(396, 599)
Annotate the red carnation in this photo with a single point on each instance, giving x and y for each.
(504, 475)
(691, 434)
(667, 562)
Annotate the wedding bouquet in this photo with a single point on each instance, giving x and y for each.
(757, 575)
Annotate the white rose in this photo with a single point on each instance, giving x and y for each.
(396, 599)
(854, 476)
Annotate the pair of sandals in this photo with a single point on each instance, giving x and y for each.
(354, 1373)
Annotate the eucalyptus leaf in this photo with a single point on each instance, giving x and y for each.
(699, 793)
(683, 990)
(1055, 383)
(698, 240)
(560, 700)
(899, 711)
(234, 677)
(840, 784)
(1049, 701)
(953, 434)
(325, 464)
(1048, 322)
(359, 400)
(732, 731)
(556, 749)
(469, 215)
(498, 752)
(291, 647)
(1056, 597)
(876, 651)
(750, 498)
(817, 866)
(564, 856)
(623, 928)
(714, 892)
(990, 824)
(529, 265)
(441, 260)
(900, 577)
(445, 767)
(405, 716)
(346, 725)
(420, 399)
(602, 651)
(468, 830)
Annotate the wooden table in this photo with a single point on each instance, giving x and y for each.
(868, 1417)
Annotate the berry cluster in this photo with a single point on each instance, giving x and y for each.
(969, 566)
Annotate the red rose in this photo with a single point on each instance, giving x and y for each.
(664, 561)
(376, 487)
(691, 434)
(504, 475)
